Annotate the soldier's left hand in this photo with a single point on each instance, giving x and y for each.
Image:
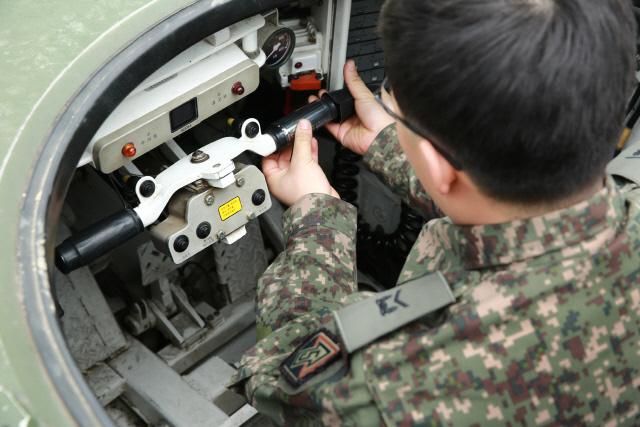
(294, 171)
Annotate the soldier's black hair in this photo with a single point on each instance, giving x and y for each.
(529, 95)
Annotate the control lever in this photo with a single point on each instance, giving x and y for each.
(111, 232)
(97, 239)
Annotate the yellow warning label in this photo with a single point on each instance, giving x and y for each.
(230, 208)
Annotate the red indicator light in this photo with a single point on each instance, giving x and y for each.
(237, 88)
(129, 149)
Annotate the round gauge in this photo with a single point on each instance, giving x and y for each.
(278, 47)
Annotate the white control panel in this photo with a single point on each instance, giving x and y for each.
(203, 80)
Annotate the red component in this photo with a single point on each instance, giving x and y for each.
(298, 64)
(307, 81)
(237, 88)
(129, 149)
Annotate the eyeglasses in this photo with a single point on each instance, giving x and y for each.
(383, 97)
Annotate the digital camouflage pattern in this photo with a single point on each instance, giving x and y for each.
(390, 163)
(544, 330)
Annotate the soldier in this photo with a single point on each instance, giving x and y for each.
(522, 304)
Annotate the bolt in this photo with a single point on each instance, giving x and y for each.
(258, 197)
(209, 199)
(203, 230)
(181, 243)
(240, 182)
(221, 235)
(199, 157)
(251, 130)
(237, 88)
(298, 65)
(251, 216)
(147, 188)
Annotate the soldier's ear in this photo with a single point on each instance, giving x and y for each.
(439, 171)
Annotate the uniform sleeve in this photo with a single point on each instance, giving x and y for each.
(316, 271)
(386, 159)
(314, 275)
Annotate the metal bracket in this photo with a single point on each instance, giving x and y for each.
(165, 326)
(217, 169)
(185, 306)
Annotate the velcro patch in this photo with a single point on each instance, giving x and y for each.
(310, 358)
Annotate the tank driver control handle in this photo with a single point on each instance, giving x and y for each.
(111, 232)
(98, 239)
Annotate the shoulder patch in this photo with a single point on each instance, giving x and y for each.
(390, 310)
(313, 356)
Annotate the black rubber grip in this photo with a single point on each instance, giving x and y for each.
(97, 240)
(334, 106)
(344, 102)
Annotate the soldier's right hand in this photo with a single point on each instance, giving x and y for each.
(358, 132)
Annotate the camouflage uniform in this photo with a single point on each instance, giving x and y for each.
(544, 330)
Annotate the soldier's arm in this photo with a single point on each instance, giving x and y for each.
(387, 160)
(316, 271)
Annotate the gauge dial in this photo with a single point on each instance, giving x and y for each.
(278, 47)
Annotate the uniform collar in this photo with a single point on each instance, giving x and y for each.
(500, 244)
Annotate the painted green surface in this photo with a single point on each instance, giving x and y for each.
(47, 50)
(12, 413)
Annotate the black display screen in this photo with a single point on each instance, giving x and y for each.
(186, 113)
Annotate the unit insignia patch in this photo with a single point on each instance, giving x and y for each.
(314, 355)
